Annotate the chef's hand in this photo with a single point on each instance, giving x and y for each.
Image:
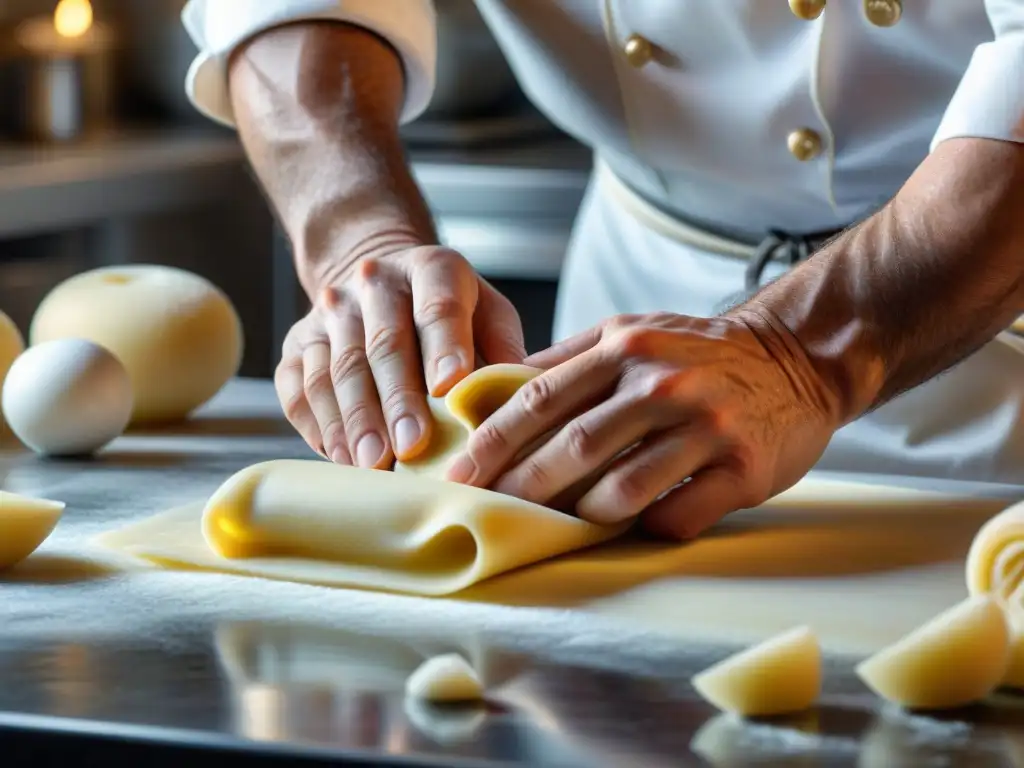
(728, 404)
(356, 370)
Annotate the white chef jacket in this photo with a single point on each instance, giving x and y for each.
(743, 116)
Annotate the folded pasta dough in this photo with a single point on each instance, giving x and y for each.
(995, 562)
(405, 531)
(380, 529)
(466, 406)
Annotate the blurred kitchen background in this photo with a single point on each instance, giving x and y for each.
(103, 161)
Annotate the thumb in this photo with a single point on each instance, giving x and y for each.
(497, 329)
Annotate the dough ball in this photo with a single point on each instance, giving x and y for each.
(995, 562)
(1014, 677)
(25, 523)
(67, 397)
(11, 345)
(176, 333)
(444, 679)
(957, 658)
(779, 676)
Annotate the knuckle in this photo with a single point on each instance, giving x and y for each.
(348, 362)
(437, 310)
(580, 442)
(533, 475)
(487, 441)
(618, 322)
(631, 486)
(537, 397)
(744, 458)
(285, 367)
(359, 418)
(334, 431)
(317, 382)
(753, 487)
(633, 341)
(397, 399)
(370, 268)
(661, 386)
(437, 257)
(385, 343)
(294, 406)
(723, 422)
(346, 308)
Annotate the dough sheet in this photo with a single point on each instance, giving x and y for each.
(863, 563)
(340, 526)
(404, 531)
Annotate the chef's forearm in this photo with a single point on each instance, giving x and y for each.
(317, 106)
(917, 287)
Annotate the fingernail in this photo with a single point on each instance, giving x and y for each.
(462, 470)
(369, 450)
(407, 434)
(447, 366)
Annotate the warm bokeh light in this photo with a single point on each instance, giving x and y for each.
(72, 18)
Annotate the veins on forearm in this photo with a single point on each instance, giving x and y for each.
(318, 107)
(919, 286)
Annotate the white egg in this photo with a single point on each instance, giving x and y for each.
(67, 397)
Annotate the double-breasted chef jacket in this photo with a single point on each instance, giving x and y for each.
(715, 123)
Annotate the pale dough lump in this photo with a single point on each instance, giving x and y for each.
(25, 523)
(779, 676)
(957, 658)
(176, 333)
(445, 679)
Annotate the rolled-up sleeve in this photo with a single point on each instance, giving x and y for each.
(989, 101)
(217, 27)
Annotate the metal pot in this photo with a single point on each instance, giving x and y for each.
(473, 76)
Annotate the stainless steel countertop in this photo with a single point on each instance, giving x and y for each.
(94, 661)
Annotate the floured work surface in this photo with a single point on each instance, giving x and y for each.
(863, 564)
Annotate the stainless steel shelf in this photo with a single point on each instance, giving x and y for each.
(47, 189)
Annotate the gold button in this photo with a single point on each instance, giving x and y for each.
(883, 13)
(807, 9)
(639, 51)
(804, 144)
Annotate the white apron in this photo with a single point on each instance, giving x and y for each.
(626, 257)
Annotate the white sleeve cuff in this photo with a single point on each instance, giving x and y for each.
(989, 102)
(217, 27)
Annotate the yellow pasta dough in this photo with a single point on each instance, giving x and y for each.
(957, 658)
(995, 563)
(862, 562)
(25, 523)
(405, 531)
(779, 676)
